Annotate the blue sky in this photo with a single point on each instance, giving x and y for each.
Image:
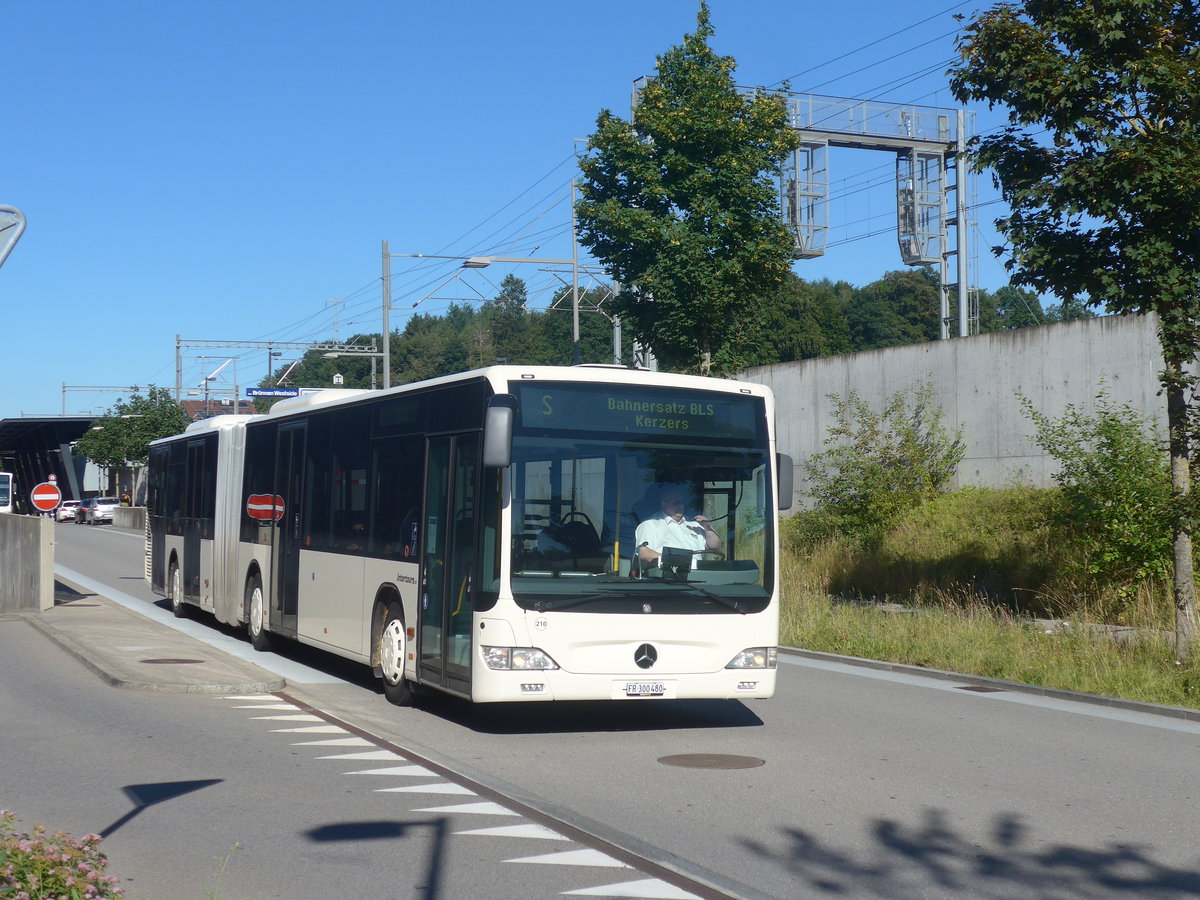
(221, 171)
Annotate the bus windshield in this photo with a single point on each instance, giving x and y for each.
(636, 500)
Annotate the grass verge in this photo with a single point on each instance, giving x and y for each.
(964, 585)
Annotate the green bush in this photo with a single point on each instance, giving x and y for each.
(56, 867)
(1116, 493)
(878, 465)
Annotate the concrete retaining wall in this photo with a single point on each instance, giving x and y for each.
(130, 517)
(26, 563)
(977, 381)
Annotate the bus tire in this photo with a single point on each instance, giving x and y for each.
(178, 607)
(393, 648)
(260, 638)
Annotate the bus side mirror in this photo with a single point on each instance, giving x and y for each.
(498, 430)
(783, 466)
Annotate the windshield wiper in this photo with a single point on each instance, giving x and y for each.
(726, 601)
(564, 602)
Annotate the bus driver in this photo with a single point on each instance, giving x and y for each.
(668, 528)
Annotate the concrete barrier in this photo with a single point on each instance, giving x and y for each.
(977, 382)
(132, 518)
(26, 563)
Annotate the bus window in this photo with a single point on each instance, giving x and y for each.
(397, 469)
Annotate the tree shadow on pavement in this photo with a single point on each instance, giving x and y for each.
(929, 859)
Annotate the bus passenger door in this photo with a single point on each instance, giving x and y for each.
(289, 484)
(448, 561)
(193, 521)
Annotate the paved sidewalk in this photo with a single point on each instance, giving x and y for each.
(132, 651)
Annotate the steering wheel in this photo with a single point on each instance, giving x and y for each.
(710, 554)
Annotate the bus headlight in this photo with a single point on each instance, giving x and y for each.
(520, 658)
(755, 658)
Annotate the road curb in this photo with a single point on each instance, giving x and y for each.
(1016, 687)
(168, 687)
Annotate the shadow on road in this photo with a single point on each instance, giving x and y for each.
(570, 716)
(929, 858)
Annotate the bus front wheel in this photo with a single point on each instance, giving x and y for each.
(260, 638)
(393, 645)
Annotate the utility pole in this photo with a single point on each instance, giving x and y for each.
(576, 350)
(387, 325)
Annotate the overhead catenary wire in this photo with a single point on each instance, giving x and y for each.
(873, 43)
(515, 231)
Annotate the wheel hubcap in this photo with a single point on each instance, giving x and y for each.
(391, 651)
(256, 609)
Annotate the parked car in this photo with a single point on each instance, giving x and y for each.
(81, 513)
(101, 509)
(66, 512)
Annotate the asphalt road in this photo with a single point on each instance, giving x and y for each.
(872, 783)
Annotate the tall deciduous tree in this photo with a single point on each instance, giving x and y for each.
(1100, 165)
(681, 205)
(900, 308)
(122, 436)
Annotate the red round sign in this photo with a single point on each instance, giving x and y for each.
(264, 507)
(46, 497)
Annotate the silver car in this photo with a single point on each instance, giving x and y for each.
(100, 510)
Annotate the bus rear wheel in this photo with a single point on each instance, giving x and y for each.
(178, 607)
(393, 645)
(260, 638)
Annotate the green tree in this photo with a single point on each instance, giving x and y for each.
(555, 330)
(803, 320)
(900, 308)
(122, 436)
(510, 323)
(1100, 165)
(1019, 308)
(681, 205)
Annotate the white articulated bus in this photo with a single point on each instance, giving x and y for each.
(482, 533)
(6, 492)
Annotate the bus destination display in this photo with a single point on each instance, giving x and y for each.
(633, 411)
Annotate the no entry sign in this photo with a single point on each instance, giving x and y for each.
(46, 497)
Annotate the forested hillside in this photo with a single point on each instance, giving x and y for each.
(804, 319)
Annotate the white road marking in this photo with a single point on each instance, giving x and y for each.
(369, 754)
(312, 729)
(348, 741)
(530, 831)
(412, 771)
(573, 858)
(483, 808)
(650, 889)
(442, 787)
(647, 889)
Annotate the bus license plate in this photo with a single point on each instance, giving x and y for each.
(645, 688)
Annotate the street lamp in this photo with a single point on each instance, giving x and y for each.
(480, 262)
